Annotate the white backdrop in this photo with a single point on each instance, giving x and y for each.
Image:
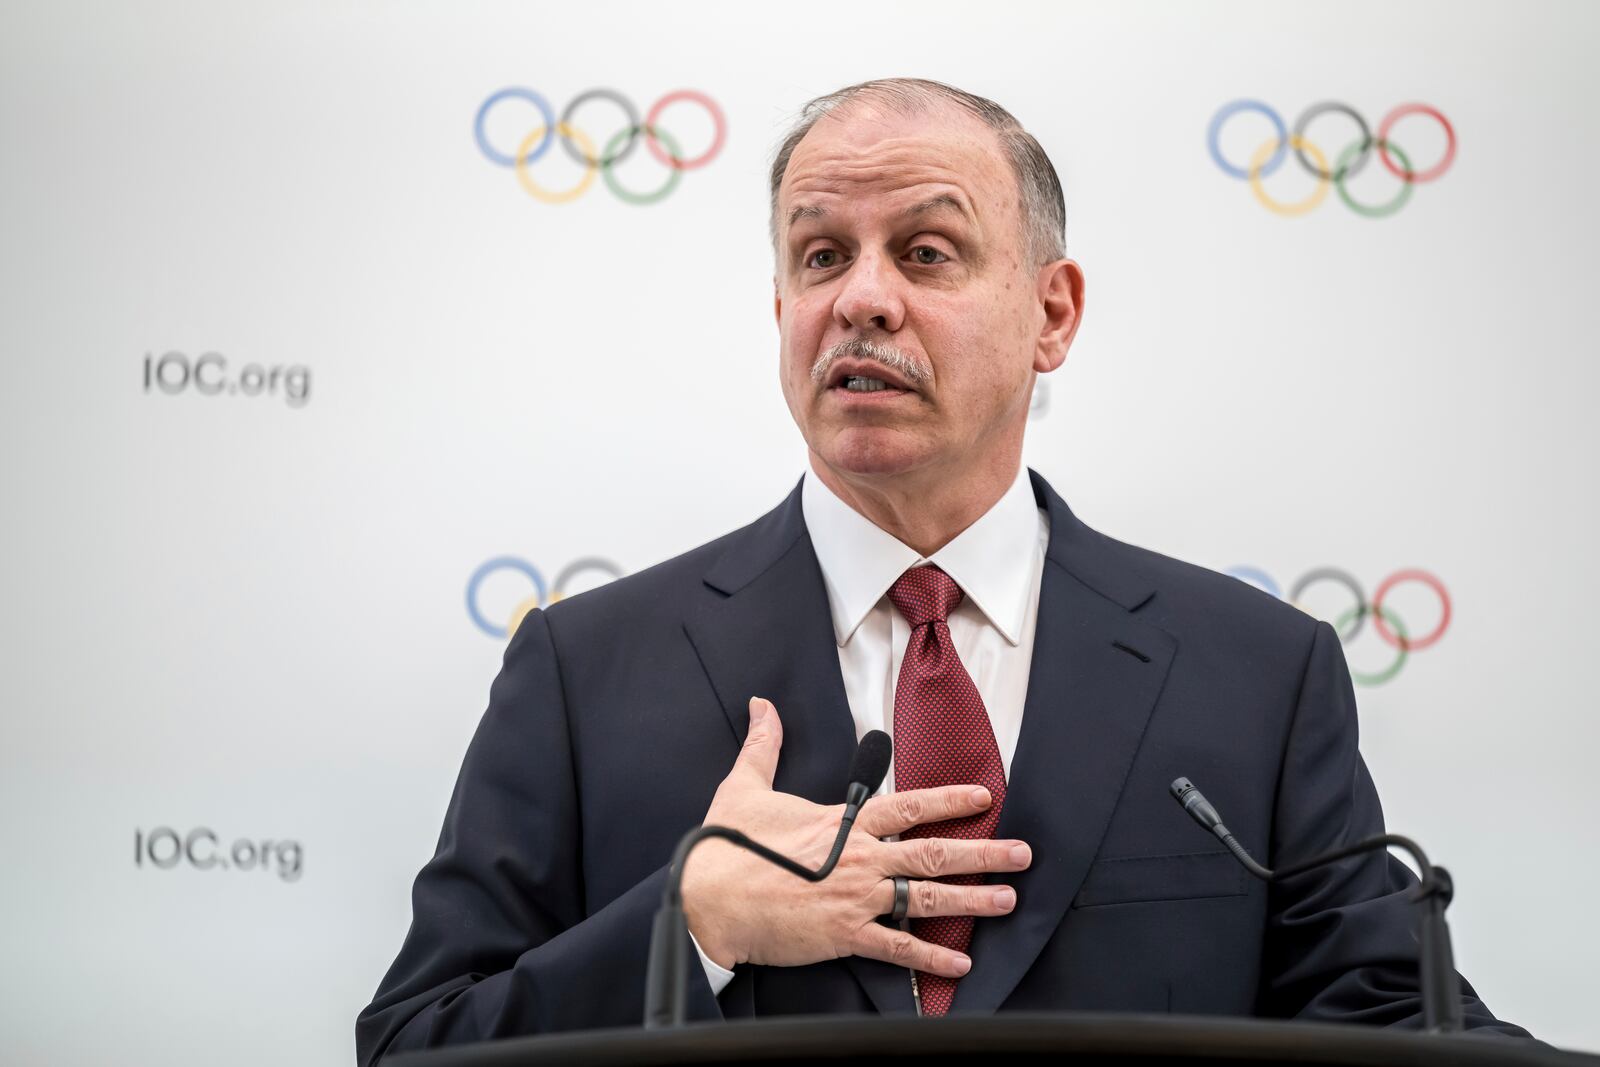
(246, 614)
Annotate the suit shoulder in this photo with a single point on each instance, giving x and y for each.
(1189, 595)
(659, 592)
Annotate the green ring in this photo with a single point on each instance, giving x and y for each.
(1355, 614)
(675, 174)
(1393, 620)
(1382, 210)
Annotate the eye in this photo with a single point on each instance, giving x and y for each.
(928, 256)
(823, 258)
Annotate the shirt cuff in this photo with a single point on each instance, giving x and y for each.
(718, 975)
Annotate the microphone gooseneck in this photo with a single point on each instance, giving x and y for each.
(666, 984)
(1441, 988)
(1195, 803)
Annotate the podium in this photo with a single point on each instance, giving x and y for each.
(1080, 1039)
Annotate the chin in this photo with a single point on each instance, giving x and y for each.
(874, 450)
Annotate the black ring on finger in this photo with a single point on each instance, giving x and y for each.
(902, 898)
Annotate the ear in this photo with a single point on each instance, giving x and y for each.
(777, 303)
(1061, 298)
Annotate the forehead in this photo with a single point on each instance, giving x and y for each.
(864, 155)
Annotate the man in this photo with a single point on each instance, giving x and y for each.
(1043, 684)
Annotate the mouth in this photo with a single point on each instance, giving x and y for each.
(863, 391)
(865, 380)
(860, 383)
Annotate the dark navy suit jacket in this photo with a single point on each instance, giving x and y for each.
(617, 713)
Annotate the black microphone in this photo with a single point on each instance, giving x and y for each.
(1441, 989)
(666, 979)
(867, 770)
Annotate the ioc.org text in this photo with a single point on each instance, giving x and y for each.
(164, 848)
(207, 374)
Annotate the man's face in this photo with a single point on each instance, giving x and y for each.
(905, 231)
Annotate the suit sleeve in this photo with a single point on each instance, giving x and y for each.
(502, 942)
(1341, 941)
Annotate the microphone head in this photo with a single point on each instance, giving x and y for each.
(871, 760)
(1194, 802)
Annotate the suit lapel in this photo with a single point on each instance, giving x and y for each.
(772, 637)
(1087, 706)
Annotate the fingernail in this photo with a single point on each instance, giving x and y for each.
(1006, 898)
(980, 797)
(758, 709)
(1021, 855)
(963, 964)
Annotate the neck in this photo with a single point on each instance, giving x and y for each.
(925, 509)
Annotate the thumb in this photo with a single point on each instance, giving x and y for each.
(759, 756)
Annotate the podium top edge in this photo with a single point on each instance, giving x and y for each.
(1110, 1038)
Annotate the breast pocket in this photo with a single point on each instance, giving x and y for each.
(1178, 876)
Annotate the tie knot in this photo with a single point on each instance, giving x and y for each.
(924, 595)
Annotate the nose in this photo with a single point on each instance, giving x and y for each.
(869, 298)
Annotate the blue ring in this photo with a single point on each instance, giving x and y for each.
(488, 568)
(521, 94)
(1257, 577)
(1226, 112)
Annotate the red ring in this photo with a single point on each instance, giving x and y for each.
(1413, 644)
(1408, 174)
(697, 97)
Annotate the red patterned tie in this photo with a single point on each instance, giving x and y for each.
(942, 736)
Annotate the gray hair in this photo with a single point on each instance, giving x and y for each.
(877, 351)
(1044, 210)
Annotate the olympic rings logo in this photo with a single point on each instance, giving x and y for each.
(1385, 622)
(543, 595)
(581, 147)
(1270, 155)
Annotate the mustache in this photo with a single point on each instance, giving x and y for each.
(876, 351)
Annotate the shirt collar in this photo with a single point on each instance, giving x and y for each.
(991, 560)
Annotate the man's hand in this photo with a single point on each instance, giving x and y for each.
(742, 909)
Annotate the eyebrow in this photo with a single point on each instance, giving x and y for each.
(943, 200)
(806, 211)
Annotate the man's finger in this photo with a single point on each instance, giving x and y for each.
(933, 899)
(879, 942)
(759, 756)
(935, 857)
(895, 813)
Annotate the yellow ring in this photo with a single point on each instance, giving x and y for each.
(590, 171)
(1259, 160)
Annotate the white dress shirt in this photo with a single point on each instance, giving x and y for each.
(998, 562)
